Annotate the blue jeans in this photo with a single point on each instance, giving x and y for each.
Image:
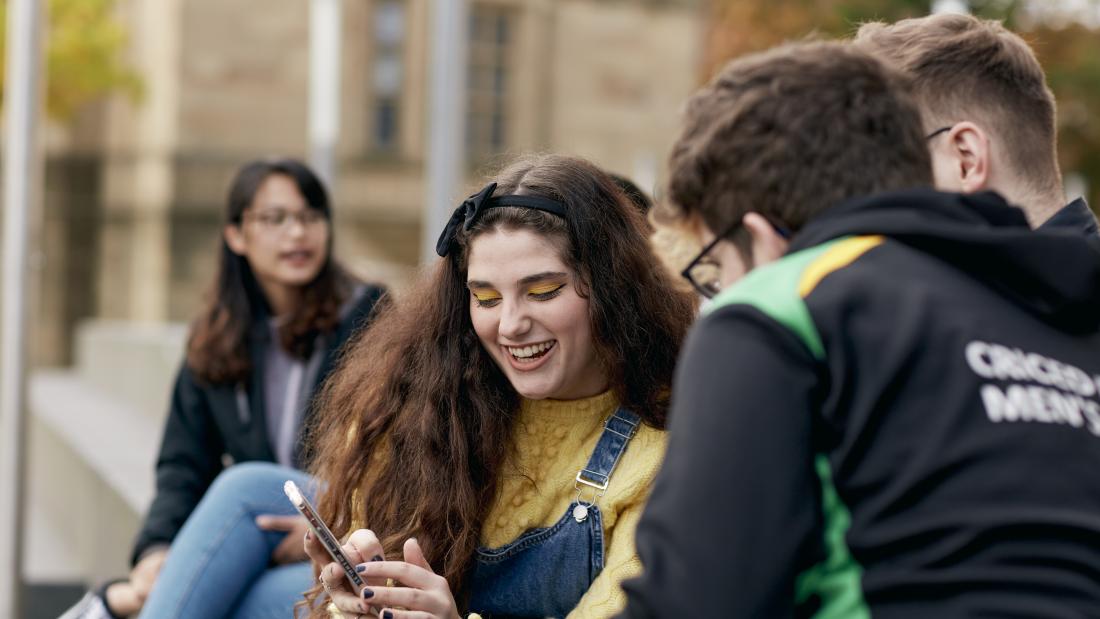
(219, 564)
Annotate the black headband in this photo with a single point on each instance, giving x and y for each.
(471, 208)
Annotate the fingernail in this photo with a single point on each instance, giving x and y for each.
(387, 614)
(362, 567)
(309, 535)
(376, 558)
(367, 593)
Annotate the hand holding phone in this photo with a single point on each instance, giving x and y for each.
(321, 530)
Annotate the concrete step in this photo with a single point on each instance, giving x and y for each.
(48, 601)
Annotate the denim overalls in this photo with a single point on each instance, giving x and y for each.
(545, 572)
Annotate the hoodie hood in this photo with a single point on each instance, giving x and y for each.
(1054, 273)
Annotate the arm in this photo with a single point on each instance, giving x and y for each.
(189, 460)
(734, 511)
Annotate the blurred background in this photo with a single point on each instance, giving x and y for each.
(149, 106)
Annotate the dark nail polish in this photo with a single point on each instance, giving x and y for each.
(362, 567)
(387, 614)
(367, 593)
(376, 558)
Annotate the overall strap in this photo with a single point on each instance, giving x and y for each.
(617, 432)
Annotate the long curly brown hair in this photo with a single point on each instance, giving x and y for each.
(218, 348)
(413, 427)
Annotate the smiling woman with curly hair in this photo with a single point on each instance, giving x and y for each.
(507, 413)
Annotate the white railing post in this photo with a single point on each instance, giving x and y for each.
(446, 119)
(325, 30)
(20, 173)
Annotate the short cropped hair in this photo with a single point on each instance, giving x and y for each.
(789, 132)
(966, 68)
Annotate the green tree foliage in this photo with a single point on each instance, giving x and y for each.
(1069, 52)
(84, 44)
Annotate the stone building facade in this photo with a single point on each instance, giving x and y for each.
(135, 189)
(134, 194)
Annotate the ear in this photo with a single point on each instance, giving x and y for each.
(969, 145)
(234, 238)
(767, 244)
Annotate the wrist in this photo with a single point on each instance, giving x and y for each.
(115, 599)
(150, 550)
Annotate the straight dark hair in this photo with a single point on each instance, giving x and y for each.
(413, 428)
(218, 351)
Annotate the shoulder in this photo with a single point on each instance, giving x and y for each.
(192, 388)
(1074, 217)
(648, 439)
(187, 381)
(639, 464)
(365, 301)
(779, 291)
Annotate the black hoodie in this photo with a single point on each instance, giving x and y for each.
(900, 419)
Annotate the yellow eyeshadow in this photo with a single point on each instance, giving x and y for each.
(544, 288)
(486, 295)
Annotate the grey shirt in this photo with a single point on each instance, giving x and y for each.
(288, 386)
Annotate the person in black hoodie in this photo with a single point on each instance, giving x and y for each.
(280, 309)
(896, 412)
(987, 110)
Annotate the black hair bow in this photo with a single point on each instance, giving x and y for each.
(465, 215)
(471, 208)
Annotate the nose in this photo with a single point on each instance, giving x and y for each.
(514, 320)
(295, 226)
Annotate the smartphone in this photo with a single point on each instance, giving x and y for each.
(321, 530)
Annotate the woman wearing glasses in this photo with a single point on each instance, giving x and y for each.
(507, 413)
(279, 309)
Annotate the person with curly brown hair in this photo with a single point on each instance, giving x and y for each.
(506, 415)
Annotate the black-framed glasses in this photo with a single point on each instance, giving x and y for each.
(278, 218)
(939, 131)
(704, 273)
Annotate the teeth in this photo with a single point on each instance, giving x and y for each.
(525, 352)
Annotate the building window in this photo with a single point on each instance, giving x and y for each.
(388, 74)
(488, 80)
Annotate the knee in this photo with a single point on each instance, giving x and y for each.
(240, 478)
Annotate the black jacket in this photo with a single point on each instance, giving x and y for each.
(1074, 216)
(212, 426)
(899, 419)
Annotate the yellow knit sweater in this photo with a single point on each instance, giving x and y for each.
(553, 441)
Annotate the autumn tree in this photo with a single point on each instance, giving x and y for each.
(83, 54)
